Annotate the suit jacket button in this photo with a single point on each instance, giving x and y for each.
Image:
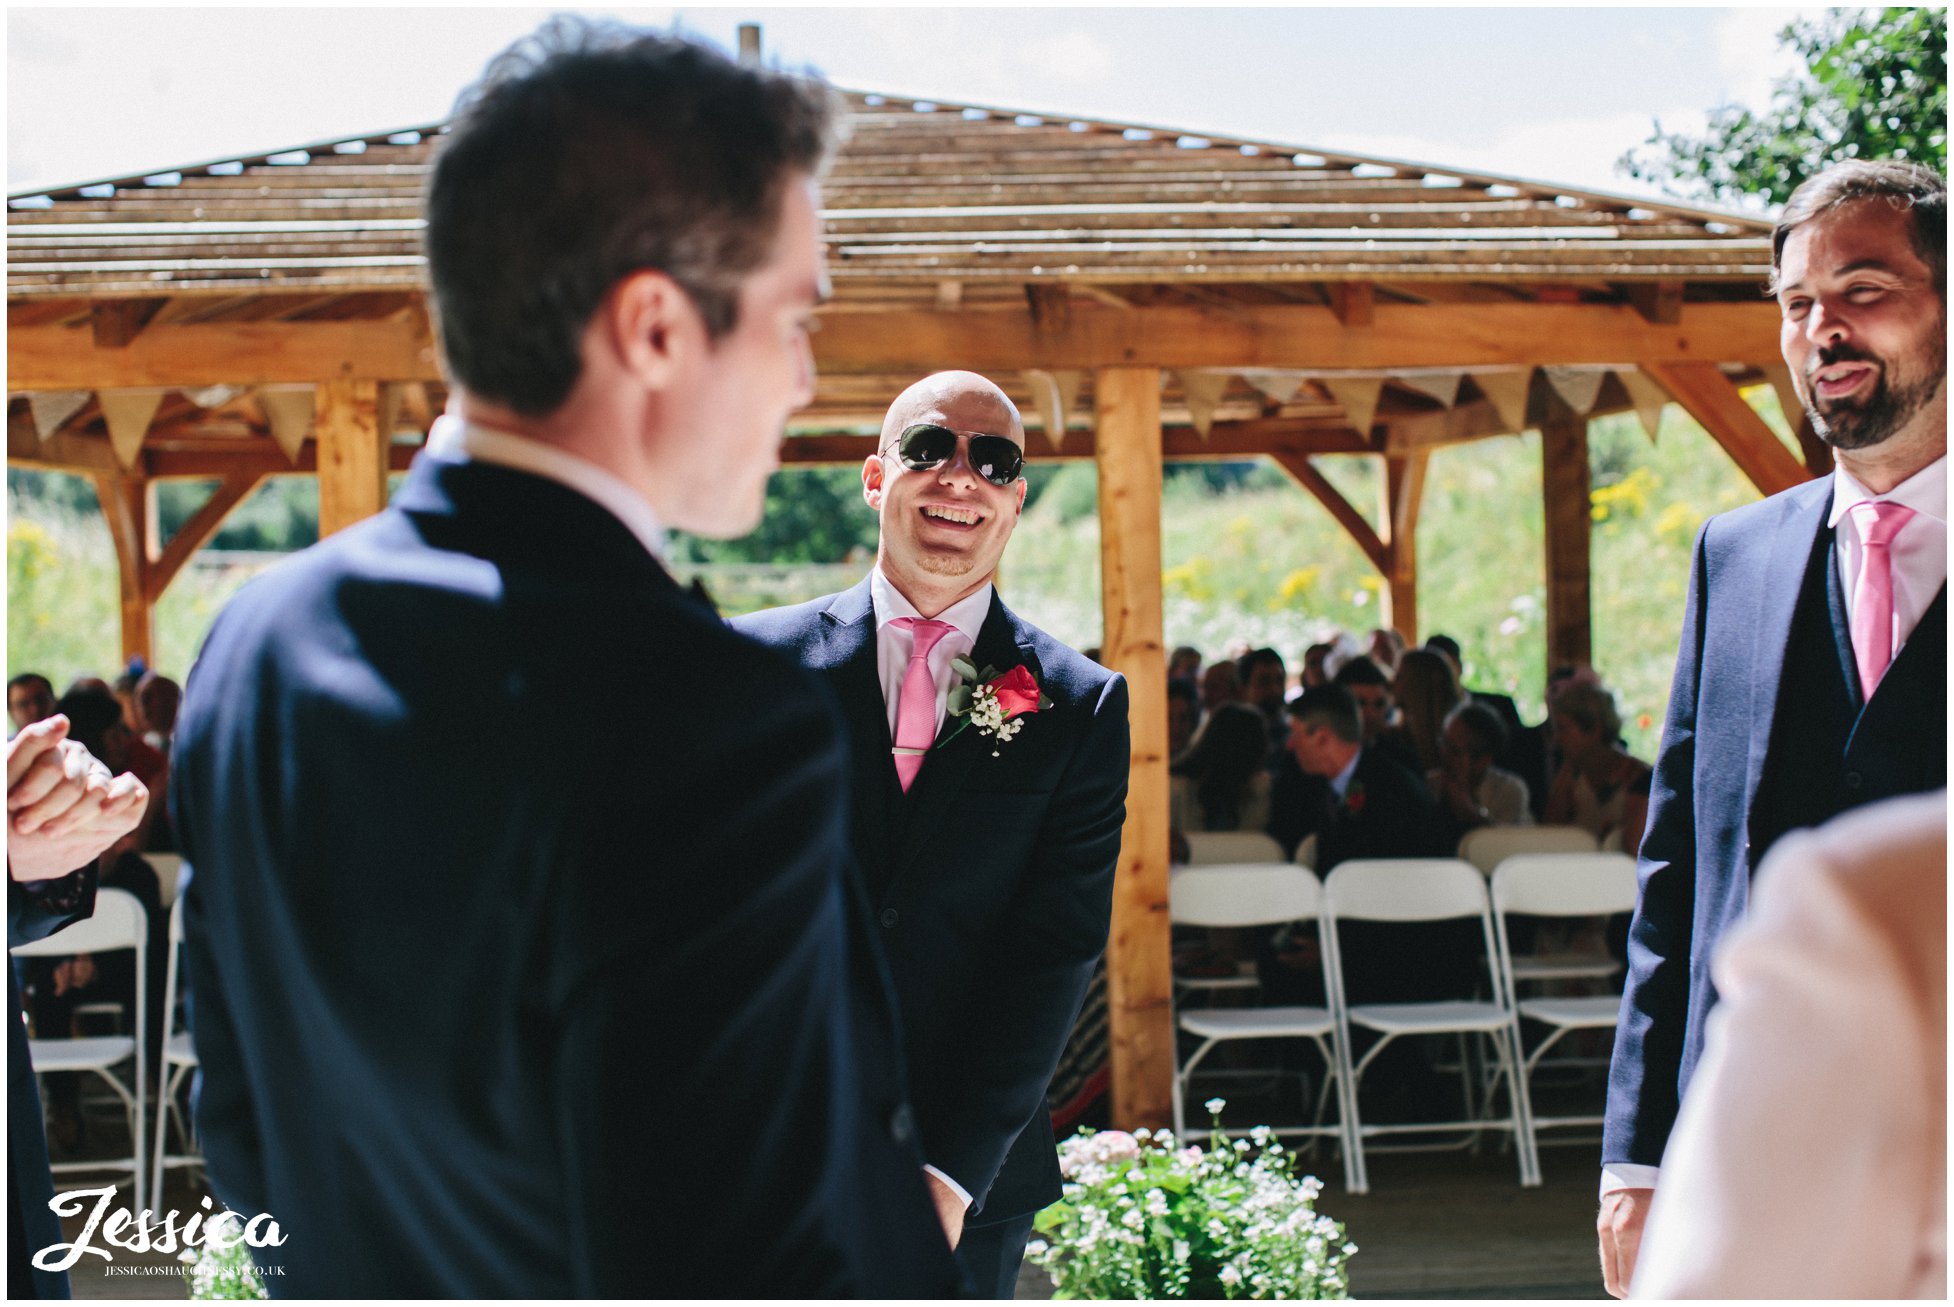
(889, 918)
(1853, 780)
(902, 1125)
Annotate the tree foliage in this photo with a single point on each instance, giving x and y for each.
(1875, 87)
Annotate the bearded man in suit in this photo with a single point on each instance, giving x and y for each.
(1811, 677)
(987, 849)
(479, 1015)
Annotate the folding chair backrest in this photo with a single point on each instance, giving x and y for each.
(1243, 894)
(169, 875)
(1405, 889)
(1489, 846)
(1565, 884)
(1215, 847)
(119, 922)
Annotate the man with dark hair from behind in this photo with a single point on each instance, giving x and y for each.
(479, 1017)
(1811, 676)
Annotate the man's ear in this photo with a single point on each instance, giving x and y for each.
(652, 326)
(1023, 487)
(872, 474)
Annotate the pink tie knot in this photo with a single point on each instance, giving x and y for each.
(926, 631)
(1880, 520)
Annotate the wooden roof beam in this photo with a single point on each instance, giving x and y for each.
(1660, 302)
(1713, 400)
(1353, 522)
(117, 322)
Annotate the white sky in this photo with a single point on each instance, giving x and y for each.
(1548, 93)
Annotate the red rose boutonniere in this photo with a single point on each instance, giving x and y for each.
(996, 703)
(1353, 799)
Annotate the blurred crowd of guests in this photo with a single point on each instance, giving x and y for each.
(127, 723)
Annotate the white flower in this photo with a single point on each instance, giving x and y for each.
(1230, 1276)
(1036, 1248)
(1214, 1105)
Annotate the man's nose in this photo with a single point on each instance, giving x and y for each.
(804, 380)
(1825, 323)
(956, 469)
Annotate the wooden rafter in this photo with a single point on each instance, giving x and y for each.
(1713, 400)
(197, 531)
(1353, 522)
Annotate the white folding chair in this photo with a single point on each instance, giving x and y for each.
(1261, 894)
(1558, 885)
(169, 875)
(119, 922)
(179, 1060)
(1215, 847)
(1489, 846)
(1413, 890)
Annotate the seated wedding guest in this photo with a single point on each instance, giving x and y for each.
(1509, 712)
(1385, 648)
(1809, 1159)
(157, 699)
(1425, 689)
(1531, 753)
(1222, 783)
(1601, 787)
(1183, 714)
(1472, 791)
(30, 699)
(1370, 688)
(1314, 671)
(1265, 683)
(124, 688)
(1184, 662)
(1220, 684)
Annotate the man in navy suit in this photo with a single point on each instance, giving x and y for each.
(987, 852)
(484, 1011)
(1812, 673)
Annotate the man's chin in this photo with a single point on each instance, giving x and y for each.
(939, 564)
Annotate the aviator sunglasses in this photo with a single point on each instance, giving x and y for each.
(926, 445)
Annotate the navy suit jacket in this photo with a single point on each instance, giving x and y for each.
(518, 940)
(1750, 751)
(991, 880)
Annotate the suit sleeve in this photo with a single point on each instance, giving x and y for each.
(38, 909)
(705, 1041)
(993, 1077)
(1643, 1077)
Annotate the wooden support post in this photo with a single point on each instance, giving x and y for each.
(1564, 483)
(125, 504)
(1404, 483)
(1139, 971)
(352, 453)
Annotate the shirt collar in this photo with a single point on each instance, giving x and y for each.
(458, 441)
(1924, 492)
(966, 614)
(1341, 781)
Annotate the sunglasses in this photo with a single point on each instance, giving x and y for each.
(997, 459)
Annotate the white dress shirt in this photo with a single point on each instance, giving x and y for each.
(1919, 554)
(893, 646)
(1919, 551)
(455, 441)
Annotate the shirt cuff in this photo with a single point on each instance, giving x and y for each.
(955, 1188)
(1626, 1175)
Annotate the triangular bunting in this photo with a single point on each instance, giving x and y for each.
(1358, 396)
(52, 408)
(1055, 394)
(1278, 386)
(1204, 391)
(1578, 388)
(128, 413)
(213, 396)
(289, 410)
(1648, 398)
(1441, 386)
(1507, 393)
(1780, 378)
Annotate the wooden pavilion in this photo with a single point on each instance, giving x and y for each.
(1144, 293)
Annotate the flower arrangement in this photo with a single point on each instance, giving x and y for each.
(992, 701)
(1144, 1216)
(222, 1267)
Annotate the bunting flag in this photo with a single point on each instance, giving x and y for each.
(1507, 393)
(289, 410)
(1055, 393)
(129, 413)
(1358, 396)
(1204, 391)
(52, 409)
(1278, 386)
(1579, 388)
(213, 396)
(1647, 395)
(1441, 386)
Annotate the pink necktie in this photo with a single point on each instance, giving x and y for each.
(1872, 598)
(916, 708)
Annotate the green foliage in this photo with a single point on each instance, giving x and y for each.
(224, 1271)
(813, 515)
(1875, 88)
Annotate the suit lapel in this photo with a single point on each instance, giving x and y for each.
(931, 804)
(848, 657)
(1797, 536)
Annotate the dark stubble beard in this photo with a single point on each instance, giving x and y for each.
(1894, 401)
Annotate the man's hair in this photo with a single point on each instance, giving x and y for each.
(1331, 706)
(31, 678)
(1485, 732)
(1179, 687)
(1906, 186)
(590, 151)
(91, 712)
(1446, 645)
(1360, 671)
(1245, 666)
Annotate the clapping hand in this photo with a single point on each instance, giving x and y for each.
(63, 806)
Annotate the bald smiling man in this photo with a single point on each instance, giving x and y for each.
(989, 772)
